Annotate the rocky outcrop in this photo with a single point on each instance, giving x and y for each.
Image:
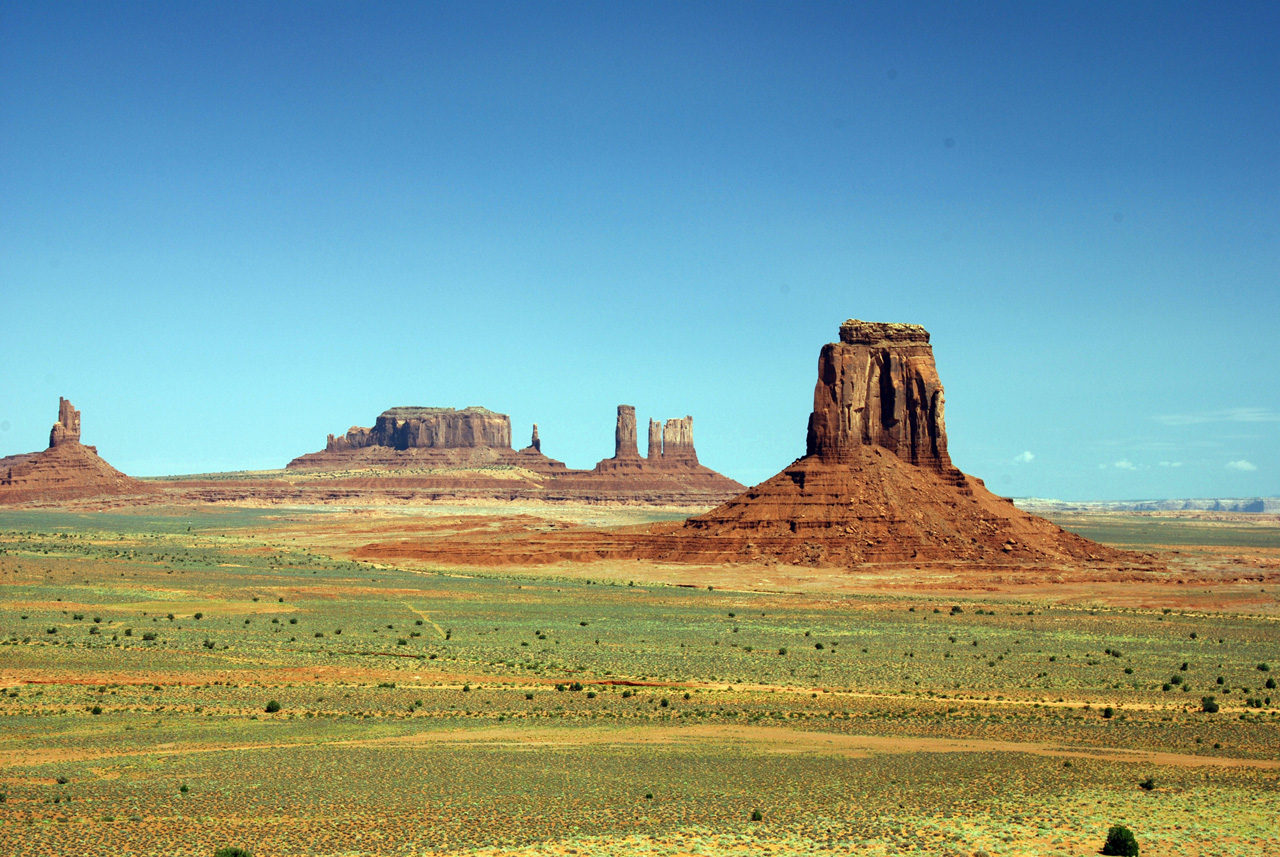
(878, 386)
(439, 453)
(429, 439)
(876, 483)
(429, 428)
(624, 434)
(67, 470)
(677, 442)
(67, 428)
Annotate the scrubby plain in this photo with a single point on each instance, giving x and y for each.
(180, 680)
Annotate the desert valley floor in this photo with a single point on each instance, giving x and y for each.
(301, 681)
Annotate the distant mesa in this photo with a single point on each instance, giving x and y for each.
(443, 453)
(408, 437)
(67, 470)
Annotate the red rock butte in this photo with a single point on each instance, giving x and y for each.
(876, 483)
(67, 470)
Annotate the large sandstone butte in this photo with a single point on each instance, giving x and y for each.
(442, 453)
(876, 483)
(67, 470)
(409, 437)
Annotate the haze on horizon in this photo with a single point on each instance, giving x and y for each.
(228, 229)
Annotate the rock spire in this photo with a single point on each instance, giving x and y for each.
(624, 436)
(67, 428)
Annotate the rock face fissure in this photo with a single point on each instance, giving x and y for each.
(67, 428)
(429, 428)
(878, 386)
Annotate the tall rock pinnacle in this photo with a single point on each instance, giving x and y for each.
(67, 428)
(878, 386)
(536, 442)
(655, 440)
(625, 435)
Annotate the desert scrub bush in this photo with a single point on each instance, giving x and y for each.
(757, 815)
(1148, 784)
(1120, 842)
(273, 707)
(231, 851)
(1208, 705)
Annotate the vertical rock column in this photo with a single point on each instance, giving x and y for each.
(624, 436)
(655, 440)
(67, 428)
(535, 442)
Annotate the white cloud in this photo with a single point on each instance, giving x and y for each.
(1226, 415)
(1023, 458)
(1125, 464)
(1171, 464)
(1241, 465)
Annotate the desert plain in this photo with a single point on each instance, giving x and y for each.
(326, 680)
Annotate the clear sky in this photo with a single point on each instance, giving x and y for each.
(228, 229)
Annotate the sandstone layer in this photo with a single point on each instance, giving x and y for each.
(67, 470)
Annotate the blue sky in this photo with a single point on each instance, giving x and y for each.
(228, 229)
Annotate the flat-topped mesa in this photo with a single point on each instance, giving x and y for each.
(429, 428)
(67, 428)
(878, 386)
(624, 435)
(677, 442)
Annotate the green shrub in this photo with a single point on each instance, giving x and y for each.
(1148, 784)
(1120, 842)
(231, 851)
(1208, 705)
(273, 707)
(756, 815)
